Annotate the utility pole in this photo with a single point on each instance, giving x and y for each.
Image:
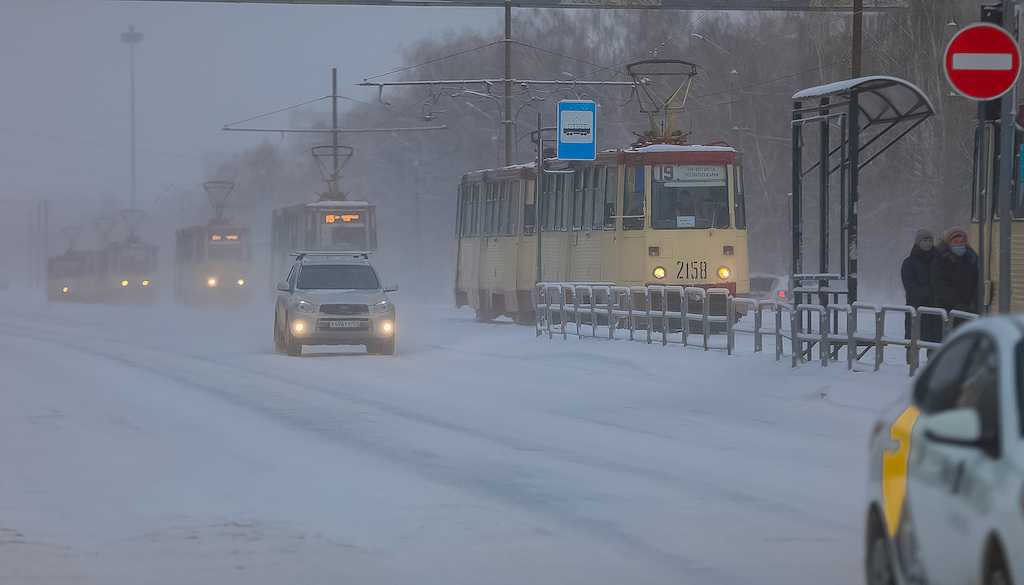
(132, 38)
(1006, 158)
(507, 122)
(334, 126)
(858, 38)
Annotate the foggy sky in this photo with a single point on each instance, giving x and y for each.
(64, 121)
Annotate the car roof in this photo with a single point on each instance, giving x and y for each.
(334, 260)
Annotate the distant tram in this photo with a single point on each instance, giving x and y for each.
(120, 272)
(656, 214)
(326, 225)
(213, 264)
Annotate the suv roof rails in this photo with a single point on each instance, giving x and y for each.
(300, 254)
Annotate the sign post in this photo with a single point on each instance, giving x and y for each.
(577, 130)
(982, 63)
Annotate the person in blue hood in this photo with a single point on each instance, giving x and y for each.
(955, 273)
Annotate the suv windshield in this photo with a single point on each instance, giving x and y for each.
(346, 276)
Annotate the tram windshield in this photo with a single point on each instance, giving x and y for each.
(689, 197)
(225, 252)
(134, 260)
(355, 276)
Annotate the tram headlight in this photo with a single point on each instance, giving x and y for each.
(211, 282)
(145, 283)
(305, 307)
(241, 282)
(124, 283)
(65, 290)
(724, 273)
(659, 272)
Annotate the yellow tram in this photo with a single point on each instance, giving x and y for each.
(657, 214)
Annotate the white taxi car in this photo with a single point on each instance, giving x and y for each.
(946, 488)
(334, 299)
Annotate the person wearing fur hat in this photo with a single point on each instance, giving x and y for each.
(955, 273)
(916, 273)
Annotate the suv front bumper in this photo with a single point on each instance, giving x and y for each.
(320, 329)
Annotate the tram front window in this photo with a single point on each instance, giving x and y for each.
(689, 207)
(225, 252)
(341, 277)
(348, 238)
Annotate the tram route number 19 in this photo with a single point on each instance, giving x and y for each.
(692, 270)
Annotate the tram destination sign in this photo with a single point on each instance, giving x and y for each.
(577, 130)
(982, 62)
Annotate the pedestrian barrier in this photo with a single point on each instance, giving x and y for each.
(711, 318)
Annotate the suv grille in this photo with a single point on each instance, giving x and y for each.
(344, 309)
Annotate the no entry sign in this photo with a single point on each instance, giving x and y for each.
(982, 62)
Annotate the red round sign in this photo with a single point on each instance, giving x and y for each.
(982, 61)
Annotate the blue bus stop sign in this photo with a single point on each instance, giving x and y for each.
(577, 130)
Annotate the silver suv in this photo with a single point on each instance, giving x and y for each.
(333, 299)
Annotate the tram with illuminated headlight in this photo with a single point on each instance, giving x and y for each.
(120, 272)
(328, 225)
(213, 264)
(671, 214)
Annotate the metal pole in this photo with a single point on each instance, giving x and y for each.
(858, 37)
(132, 38)
(853, 121)
(1006, 139)
(507, 122)
(538, 196)
(823, 211)
(795, 196)
(981, 174)
(334, 126)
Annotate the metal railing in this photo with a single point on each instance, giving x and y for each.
(711, 319)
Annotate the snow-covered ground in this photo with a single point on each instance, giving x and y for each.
(168, 445)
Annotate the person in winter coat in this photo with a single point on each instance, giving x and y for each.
(955, 273)
(916, 273)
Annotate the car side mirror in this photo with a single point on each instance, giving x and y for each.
(391, 288)
(283, 286)
(960, 426)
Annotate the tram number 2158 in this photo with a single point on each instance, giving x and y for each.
(692, 270)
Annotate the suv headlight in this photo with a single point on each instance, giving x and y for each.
(380, 308)
(305, 307)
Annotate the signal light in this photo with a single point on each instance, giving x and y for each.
(216, 237)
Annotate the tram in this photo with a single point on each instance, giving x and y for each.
(327, 225)
(213, 262)
(121, 272)
(671, 214)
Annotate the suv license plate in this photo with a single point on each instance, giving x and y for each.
(349, 324)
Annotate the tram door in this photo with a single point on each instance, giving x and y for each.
(633, 243)
(557, 223)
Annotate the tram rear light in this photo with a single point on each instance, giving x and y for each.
(782, 294)
(211, 282)
(658, 272)
(724, 273)
(124, 283)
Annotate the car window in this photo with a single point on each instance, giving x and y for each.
(355, 276)
(291, 276)
(762, 284)
(939, 388)
(980, 386)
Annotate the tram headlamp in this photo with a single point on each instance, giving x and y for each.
(299, 328)
(724, 273)
(241, 282)
(305, 307)
(659, 272)
(145, 283)
(211, 282)
(65, 290)
(124, 283)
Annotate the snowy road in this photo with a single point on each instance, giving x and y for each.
(172, 446)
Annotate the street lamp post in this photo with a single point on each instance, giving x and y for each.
(132, 38)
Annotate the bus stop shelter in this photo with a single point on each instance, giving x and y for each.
(870, 115)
